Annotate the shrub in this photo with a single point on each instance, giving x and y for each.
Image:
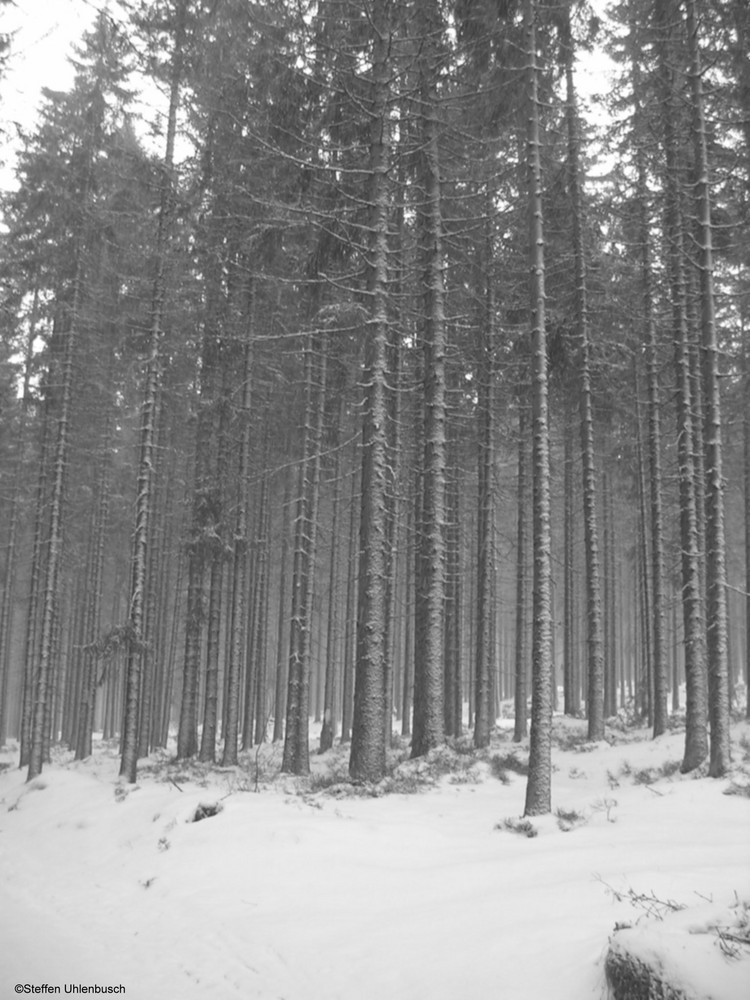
(501, 763)
(568, 819)
(522, 826)
(738, 788)
(205, 810)
(648, 775)
(336, 774)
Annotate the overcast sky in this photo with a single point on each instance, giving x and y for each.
(43, 34)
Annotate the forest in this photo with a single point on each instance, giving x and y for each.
(380, 381)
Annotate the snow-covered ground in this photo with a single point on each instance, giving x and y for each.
(322, 894)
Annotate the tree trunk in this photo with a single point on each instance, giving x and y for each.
(660, 672)
(746, 423)
(716, 577)
(147, 436)
(644, 680)
(452, 703)
(44, 680)
(539, 784)
(367, 760)
(260, 624)
(347, 699)
(279, 706)
(328, 727)
(696, 737)
(238, 590)
(92, 621)
(296, 759)
(595, 637)
(485, 463)
(520, 697)
(207, 753)
(571, 702)
(428, 731)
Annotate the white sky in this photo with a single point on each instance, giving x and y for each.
(43, 33)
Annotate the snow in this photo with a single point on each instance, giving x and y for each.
(299, 894)
(683, 946)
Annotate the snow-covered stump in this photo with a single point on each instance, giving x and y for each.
(632, 978)
(696, 953)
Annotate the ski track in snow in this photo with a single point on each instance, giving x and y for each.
(322, 898)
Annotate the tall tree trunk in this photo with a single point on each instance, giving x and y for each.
(452, 702)
(204, 539)
(44, 680)
(296, 758)
(33, 614)
(595, 636)
(147, 436)
(347, 699)
(238, 590)
(539, 784)
(742, 28)
(93, 600)
(660, 671)
(485, 461)
(367, 760)
(716, 577)
(747, 525)
(6, 614)
(571, 681)
(520, 697)
(696, 737)
(207, 753)
(6, 611)
(260, 642)
(279, 705)
(393, 497)
(428, 731)
(328, 727)
(409, 653)
(644, 685)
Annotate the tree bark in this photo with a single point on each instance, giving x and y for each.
(328, 727)
(367, 760)
(428, 728)
(696, 737)
(296, 758)
(716, 576)
(279, 703)
(485, 463)
(595, 635)
(147, 435)
(658, 607)
(539, 784)
(521, 694)
(44, 681)
(238, 590)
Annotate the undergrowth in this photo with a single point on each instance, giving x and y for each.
(521, 826)
(569, 819)
(500, 764)
(650, 775)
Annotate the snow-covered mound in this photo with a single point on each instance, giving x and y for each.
(693, 953)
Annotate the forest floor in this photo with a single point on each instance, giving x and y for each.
(426, 887)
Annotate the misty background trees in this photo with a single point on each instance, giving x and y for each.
(379, 381)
